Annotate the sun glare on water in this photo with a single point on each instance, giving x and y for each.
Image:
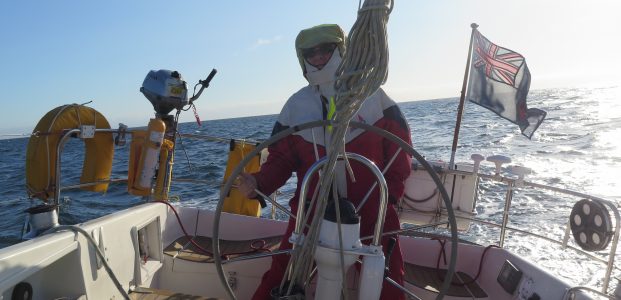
(607, 157)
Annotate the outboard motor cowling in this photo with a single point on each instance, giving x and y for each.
(166, 90)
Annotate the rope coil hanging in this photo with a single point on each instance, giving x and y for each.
(363, 70)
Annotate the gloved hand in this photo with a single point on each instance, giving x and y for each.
(247, 185)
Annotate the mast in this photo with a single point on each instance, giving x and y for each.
(460, 109)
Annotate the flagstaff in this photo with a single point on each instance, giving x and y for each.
(499, 81)
(460, 109)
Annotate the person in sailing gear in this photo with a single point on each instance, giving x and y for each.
(319, 51)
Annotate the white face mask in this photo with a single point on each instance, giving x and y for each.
(324, 78)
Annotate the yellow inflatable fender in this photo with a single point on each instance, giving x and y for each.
(42, 146)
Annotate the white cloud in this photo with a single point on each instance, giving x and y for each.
(264, 42)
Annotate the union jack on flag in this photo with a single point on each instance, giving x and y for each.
(499, 80)
(498, 63)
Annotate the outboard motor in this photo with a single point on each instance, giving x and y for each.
(166, 90)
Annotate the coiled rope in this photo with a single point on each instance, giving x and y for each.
(363, 69)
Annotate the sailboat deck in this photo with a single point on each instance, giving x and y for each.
(156, 294)
(423, 277)
(182, 248)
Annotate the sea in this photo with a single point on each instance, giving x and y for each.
(577, 147)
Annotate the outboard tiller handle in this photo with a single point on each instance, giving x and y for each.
(204, 84)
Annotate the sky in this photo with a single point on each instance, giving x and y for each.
(61, 52)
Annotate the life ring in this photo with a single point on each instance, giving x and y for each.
(42, 146)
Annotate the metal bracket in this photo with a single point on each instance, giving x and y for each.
(87, 131)
(98, 237)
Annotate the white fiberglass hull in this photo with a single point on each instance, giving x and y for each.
(64, 264)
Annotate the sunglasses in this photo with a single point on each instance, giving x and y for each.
(322, 49)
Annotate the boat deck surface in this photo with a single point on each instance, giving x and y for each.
(427, 278)
(155, 294)
(431, 279)
(182, 248)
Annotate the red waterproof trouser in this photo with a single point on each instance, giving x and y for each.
(273, 276)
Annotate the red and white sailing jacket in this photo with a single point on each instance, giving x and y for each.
(296, 153)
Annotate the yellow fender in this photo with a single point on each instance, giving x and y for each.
(41, 151)
(235, 202)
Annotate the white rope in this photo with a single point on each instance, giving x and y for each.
(363, 70)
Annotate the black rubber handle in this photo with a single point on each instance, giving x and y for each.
(389, 248)
(261, 201)
(205, 82)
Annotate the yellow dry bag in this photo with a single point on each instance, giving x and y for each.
(235, 202)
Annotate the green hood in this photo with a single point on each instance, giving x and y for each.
(320, 34)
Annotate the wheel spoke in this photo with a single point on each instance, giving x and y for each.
(276, 204)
